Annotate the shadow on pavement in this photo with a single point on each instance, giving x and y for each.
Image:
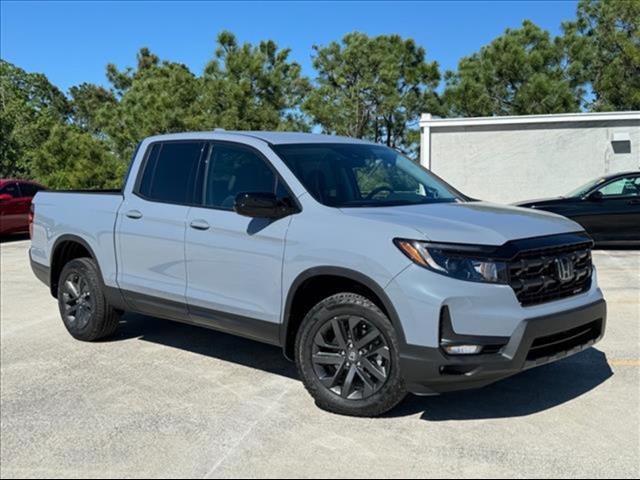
(524, 394)
(13, 238)
(211, 343)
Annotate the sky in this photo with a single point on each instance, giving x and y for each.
(72, 42)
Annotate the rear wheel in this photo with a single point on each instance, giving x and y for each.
(84, 310)
(347, 356)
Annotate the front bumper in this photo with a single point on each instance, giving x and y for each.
(536, 341)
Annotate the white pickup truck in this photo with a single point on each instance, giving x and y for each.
(370, 272)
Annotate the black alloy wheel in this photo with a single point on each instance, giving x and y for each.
(77, 299)
(351, 357)
(348, 356)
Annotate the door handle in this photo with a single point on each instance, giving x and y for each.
(633, 202)
(199, 225)
(134, 214)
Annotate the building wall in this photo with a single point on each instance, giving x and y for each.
(508, 163)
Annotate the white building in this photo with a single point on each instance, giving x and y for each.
(506, 159)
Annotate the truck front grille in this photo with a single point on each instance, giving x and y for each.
(539, 276)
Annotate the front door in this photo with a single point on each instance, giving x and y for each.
(615, 216)
(234, 263)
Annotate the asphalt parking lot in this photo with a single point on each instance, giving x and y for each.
(165, 399)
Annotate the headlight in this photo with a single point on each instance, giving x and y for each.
(454, 261)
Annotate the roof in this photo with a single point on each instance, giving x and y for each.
(609, 176)
(273, 138)
(428, 121)
(281, 138)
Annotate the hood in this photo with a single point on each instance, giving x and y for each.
(470, 222)
(542, 201)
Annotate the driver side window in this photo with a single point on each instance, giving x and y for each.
(235, 169)
(626, 186)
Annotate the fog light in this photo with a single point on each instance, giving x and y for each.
(463, 349)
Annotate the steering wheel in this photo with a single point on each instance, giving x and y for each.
(379, 189)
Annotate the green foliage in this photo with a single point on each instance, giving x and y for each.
(604, 46)
(522, 72)
(72, 158)
(366, 87)
(249, 87)
(373, 87)
(158, 97)
(29, 107)
(91, 105)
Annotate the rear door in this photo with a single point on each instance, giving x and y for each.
(619, 218)
(151, 229)
(234, 263)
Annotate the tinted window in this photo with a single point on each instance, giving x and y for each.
(29, 189)
(626, 186)
(352, 175)
(170, 172)
(10, 189)
(234, 170)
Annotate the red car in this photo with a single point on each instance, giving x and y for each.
(15, 204)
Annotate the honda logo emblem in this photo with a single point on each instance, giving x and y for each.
(564, 267)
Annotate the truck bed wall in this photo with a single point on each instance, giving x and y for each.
(86, 215)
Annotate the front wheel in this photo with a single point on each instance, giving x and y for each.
(347, 356)
(84, 310)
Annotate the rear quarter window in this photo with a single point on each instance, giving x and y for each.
(170, 172)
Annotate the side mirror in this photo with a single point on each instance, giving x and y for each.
(595, 196)
(261, 205)
(5, 197)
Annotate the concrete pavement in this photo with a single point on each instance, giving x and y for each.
(164, 399)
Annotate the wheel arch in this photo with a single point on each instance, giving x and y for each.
(345, 276)
(68, 247)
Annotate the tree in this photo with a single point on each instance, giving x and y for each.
(29, 107)
(604, 46)
(373, 87)
(522, 72)
(252, 88)
(73, 158)
(90, 106)
(155, 98)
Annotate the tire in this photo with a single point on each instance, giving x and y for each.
(92, 318)
(367, 353)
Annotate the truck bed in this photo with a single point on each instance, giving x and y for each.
(89, 215)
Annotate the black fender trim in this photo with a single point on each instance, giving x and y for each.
(112, 294)
(339, 272)
(42, 272)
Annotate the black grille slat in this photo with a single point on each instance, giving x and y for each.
(534, 278)
(551, 345)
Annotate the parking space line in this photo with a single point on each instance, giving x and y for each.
(625, 363)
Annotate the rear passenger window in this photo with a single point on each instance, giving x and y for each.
(170, 172)
(234, 170)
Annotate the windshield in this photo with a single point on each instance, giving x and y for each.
(580, 191)
(360, 175)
